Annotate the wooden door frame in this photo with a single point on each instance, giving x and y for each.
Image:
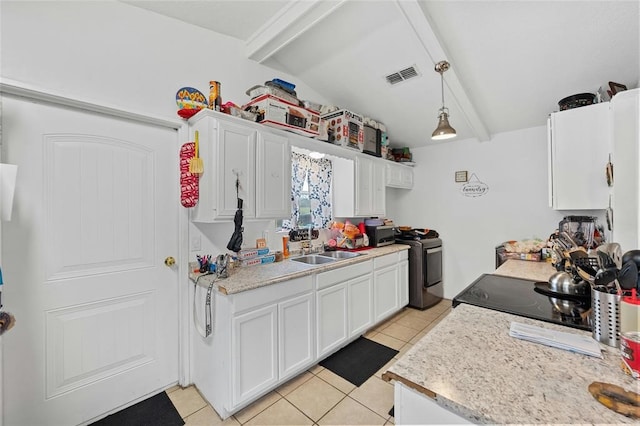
(30, 92)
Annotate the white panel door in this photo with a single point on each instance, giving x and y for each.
(331, 311)
(295, 335)
(360, 306)
(236, 160)
(95, 215)
(273, 177)
(385, 292)
(254, 357)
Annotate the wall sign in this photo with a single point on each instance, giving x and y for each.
(474, 188)
(461, 176)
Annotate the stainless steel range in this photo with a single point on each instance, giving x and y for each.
(425, 271)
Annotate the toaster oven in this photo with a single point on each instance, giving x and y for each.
(380, 235)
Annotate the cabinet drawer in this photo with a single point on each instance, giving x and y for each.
(270, 293)
(387, 260)
(329, 278)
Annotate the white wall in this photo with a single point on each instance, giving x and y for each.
(513, 165)
(116, 54)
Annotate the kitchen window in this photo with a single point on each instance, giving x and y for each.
(310, 192)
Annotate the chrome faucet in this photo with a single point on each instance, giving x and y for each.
(307, 246)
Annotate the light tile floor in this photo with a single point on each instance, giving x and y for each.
(318, 396)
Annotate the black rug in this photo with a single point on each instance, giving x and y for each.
(359, 360)
(155, 411)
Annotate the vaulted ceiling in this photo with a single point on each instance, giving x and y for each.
(511, 61)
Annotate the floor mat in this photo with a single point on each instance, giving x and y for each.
(359, 360)
(155, 411)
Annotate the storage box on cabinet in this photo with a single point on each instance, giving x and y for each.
(231, 151)
(579, 143)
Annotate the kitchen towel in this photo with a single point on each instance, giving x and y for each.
(557, 339)
(359, 360)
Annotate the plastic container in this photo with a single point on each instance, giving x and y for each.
(630, 313)
(285, 246)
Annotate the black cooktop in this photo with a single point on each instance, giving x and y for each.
(519, 297)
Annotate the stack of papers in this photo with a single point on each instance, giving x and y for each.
(557, 339)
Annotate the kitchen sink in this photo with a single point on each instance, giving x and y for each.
(340, 254)
(313, 259)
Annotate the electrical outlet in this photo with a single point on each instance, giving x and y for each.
(196, 242)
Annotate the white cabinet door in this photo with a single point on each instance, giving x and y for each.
(273, 177)
(295, 335)
(228, 152)
(403, 282)
(378, 201)
(360, 305)
(579, 147)
(331, 312)
(364, 187)
(254, 362)
(236, 159)
(398, 176)
(385, 292)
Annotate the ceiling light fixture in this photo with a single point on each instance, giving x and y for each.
(444, 129)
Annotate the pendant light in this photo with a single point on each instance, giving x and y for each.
(444, 129)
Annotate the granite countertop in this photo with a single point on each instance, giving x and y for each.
(527, 270)
(251, 277)
(470, 365)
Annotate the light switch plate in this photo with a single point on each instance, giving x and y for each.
(196, 242)
(461, 176)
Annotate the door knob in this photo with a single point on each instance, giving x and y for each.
(169, 261)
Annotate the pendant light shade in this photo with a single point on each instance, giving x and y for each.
(444, 129)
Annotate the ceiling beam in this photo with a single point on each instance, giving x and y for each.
(428, 39)
(286, 26)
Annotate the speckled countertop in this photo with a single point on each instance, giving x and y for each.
(250, 277)
(470, 365)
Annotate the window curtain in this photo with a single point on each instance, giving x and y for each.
(299, 172)
(317, 173)
(320, 172)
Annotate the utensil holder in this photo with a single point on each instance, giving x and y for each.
(605, 317)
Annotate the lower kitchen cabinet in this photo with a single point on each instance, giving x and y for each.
(271, 344)
(253, 333)
(295, 335)
(263, 337)
(331, 308)
(390, 284)
(360, 304)
(386, 292)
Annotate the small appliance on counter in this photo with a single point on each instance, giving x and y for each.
(381, 235)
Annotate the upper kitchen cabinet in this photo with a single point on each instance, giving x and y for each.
(273, 176)
(625, 114)
(359, 189)
(399, 176)
(579, 148)
(232, 153)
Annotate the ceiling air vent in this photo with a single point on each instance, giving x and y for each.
(402, 75)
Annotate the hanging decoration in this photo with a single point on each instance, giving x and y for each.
(474, 187)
